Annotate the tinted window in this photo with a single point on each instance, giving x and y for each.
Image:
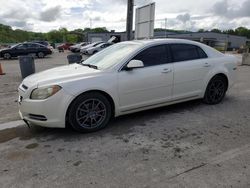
(32, 45)
(202, 54)
(156, 55)
(41, 46)
(22, 46)
(185, 52)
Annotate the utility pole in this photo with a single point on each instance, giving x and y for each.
(166, 27)
(90, 23)
(129, 27)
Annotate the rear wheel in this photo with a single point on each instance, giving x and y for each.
(6, 56)
(216, 90)
(89, 112)
(40, 55)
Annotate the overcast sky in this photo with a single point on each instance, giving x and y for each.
(45, 15)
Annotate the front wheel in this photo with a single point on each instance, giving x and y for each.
(216, 90)
(6, 56)
(89, 112)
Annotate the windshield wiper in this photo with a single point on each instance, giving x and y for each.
(89, 65)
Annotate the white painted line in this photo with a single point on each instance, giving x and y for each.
(11, 124)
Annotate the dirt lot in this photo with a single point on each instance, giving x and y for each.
(184, 145)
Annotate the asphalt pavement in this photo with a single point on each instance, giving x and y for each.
(185, 145)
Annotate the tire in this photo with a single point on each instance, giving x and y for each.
(216, 90)
(6, 56)
(40, 55)
(94, 52)
(89, 112)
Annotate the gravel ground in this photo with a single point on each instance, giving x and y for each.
(184, 145)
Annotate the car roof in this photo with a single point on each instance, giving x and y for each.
(159, 41)
(33, 43)
(144, 43)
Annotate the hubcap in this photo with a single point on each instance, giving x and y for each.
(216, 90)
(91, 113)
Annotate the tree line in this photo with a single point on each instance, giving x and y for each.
(9, 35)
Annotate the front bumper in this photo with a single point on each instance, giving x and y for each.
(50, 112)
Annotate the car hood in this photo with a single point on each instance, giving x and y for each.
(60, 74)
(4, 49)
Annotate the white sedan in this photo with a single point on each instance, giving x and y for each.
(124, 78)
(83, 49)
(98, 48)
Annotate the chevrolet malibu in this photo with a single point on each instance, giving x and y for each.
(125, 78)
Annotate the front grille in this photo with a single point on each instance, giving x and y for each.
(37, 117)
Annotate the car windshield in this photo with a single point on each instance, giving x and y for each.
(111, 55)
(15, 45)
(98, 43)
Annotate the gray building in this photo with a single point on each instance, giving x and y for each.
(209, 38)
(212, 39)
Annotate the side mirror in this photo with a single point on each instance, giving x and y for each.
(135, 64)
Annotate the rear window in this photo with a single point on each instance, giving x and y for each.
(185, 52)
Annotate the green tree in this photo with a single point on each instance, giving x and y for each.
(216, 31)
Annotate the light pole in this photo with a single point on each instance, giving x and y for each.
(129, 26)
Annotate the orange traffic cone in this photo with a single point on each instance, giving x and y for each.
(1, 70)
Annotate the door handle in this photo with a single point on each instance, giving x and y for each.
(207, 65)
(166, 71)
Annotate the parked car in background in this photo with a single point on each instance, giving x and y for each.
(124, 78)
(84, 49)
(24, 49)
(45, 43)
(64, 46)
(97, 48)
(77, 47)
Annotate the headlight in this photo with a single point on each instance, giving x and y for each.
(45, 92)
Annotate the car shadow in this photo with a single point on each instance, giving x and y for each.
(117, 127)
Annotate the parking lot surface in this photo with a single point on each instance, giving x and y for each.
(184, 145)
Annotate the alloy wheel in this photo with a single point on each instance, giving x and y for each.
(91, 113)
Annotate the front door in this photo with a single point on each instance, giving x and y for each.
(149, 85)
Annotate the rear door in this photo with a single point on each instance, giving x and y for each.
(32, 48)
(149, 85)
(190, 67)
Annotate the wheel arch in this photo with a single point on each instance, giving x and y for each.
(221, 75)
(108, 96)
(211, 77)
